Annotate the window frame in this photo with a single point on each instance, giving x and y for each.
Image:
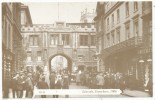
(92, 41)
(118, 15)
(127, 9)
(113, 37)
(135, 6)
(108, 39)
(112, 20)
(34, 40)
(118, 30)
(136, 29)
(55, 38)
(128, 34)
(39, 56)
(108, 24)
(65, 38)
(83, 40)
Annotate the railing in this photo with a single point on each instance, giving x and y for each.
(130, 43)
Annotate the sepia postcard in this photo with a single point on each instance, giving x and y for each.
(93, 49)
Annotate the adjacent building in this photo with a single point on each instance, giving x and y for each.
(122, 29)
(12, 51)
(7, 49)
(100, 30)
(25, 15)
(146, 49)
(25, 21)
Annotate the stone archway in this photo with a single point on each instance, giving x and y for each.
(69, 60)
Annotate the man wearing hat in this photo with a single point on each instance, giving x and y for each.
(20, 85)
(14, 84)
(29, 86)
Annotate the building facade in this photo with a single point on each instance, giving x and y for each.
(146, 51)
(12, 49)
(74, 41)
(25, 21)
(7, 51)
(25, 15)
(99, 23)
(18, 49)
(123, 39)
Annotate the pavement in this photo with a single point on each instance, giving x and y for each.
(135, 93)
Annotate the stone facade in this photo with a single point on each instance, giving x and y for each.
(120, 26)
(74, 41)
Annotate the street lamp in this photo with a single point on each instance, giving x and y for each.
(149, 60)
(141, 61)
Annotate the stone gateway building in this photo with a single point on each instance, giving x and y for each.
(73, 41)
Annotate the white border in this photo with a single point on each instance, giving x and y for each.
(81, 1)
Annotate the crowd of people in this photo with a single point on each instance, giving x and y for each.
(19, 83)
(100, 80)
(22, 83)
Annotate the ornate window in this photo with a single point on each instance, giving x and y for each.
(83, 40)
(65, 39)
(54, 39)
(34, 40)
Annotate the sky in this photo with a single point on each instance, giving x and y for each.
(47, 13)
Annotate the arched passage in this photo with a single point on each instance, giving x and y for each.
(68, 59)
